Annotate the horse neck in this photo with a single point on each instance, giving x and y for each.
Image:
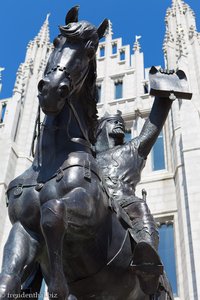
(54, 144)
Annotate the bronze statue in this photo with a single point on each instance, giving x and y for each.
(63, 229)
(121, 164)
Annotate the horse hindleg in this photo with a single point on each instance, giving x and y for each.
(54, 228)
(20, 250)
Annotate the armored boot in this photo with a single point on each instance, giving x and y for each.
(146, 264)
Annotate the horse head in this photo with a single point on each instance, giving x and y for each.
(70, 62)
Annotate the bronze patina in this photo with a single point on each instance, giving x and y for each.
(76, 222)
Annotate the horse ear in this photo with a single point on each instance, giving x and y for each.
(72, 15)
(102, 28)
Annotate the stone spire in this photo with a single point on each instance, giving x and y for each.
(25, 90)
(36, 57)
(180, 30)
(182, 50)
(43, 35)
(41, 39)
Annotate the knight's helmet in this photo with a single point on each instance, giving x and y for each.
(102, 138)
(106, 117)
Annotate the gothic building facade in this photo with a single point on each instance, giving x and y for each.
(171, 176)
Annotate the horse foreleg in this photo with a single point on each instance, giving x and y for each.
(54, 228)
(20, 250)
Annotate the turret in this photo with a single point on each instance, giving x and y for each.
(182, 50)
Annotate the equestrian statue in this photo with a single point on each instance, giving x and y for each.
(76, 222)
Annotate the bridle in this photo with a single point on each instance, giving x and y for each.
(38, 124)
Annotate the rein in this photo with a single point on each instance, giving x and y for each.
(79, 124)
(37, 128)
(36, 132)
(82, 78)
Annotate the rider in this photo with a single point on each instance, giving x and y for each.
(121, 164)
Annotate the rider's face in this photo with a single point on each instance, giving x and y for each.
(115, 129)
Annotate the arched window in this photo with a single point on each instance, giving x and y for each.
(146, 88)
(114, 48)
(118, 89)
(99, 91)
(158, 155)
(167, 252)
(122, 55)
(102, 51)
(128, 136)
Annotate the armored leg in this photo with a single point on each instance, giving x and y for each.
(143, 224)
(146, 262)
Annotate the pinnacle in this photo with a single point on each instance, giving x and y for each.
(43, 35)
(177, 2)
(180, 5)
(109, 31)
(136, 46)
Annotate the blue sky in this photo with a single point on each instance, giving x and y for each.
(20, 21)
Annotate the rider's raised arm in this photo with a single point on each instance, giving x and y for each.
(153, 125)
(166, 85)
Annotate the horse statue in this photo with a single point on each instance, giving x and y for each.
(63, 229)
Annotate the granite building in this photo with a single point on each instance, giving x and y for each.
(171, 176)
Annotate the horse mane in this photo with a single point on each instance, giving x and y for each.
(83, 30)
(86, 31)
(91, 101)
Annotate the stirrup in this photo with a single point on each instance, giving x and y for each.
(146, 264)
(147, 268)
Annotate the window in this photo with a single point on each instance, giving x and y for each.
(114, 48)
(158, 156)
(167, 252)
(118, 90)
(122, 55)
(3, 110)
(102, 51)
(128, 136)
(146, 88)
(17, 126)
(99, 90)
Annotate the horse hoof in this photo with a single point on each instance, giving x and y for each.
(72, 297)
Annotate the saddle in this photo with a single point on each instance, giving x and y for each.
(80, 159)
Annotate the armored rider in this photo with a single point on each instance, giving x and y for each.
(121, 164)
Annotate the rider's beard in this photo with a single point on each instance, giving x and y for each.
(118, 135)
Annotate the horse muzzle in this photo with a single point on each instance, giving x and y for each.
(52, 97)
(46, 87)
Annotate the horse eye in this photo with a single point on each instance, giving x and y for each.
(91, 52)
(41, 85)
